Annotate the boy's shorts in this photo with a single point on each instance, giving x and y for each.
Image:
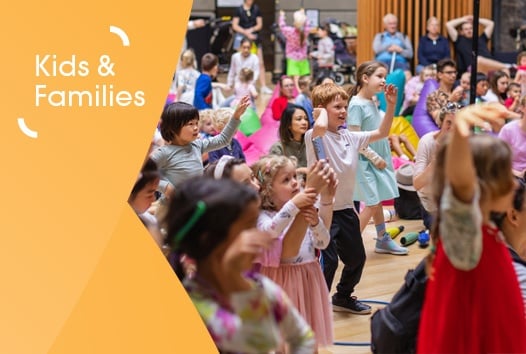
(298, 67)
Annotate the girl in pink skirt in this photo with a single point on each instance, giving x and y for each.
(300, 230)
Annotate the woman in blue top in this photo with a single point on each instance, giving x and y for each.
(432, 46)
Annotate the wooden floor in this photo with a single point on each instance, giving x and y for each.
(382, 277)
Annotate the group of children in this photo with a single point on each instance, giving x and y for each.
(254, 234)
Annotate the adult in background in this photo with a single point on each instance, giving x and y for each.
(393, 48)
(460, 31)
(425, 162)
(498, 87)
(446, 76)
(286, 96)
(239, 61)
(248, 22)
(242, 59)
(432, 46)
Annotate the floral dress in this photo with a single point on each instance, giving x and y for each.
(255, 321)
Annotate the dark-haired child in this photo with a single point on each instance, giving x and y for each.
(143, 195)
(214, 223)
(203, 85)
(181, 158)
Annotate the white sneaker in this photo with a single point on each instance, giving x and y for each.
(386, 245)
(266, 91)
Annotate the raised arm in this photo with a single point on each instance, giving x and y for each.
(383, 130)
(459, 168)
(489, 25)
(451, 26)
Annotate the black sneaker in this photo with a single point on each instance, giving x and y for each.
(350, 304)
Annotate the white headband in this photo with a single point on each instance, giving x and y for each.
(220, 167)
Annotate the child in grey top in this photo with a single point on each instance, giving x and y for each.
(180, 158)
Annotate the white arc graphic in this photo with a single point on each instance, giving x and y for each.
(23, 127)
(123, 36)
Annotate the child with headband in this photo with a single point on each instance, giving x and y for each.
(233, 168)
(214, 223)
(299, 229)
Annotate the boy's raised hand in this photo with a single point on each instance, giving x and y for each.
(391, 94)
(321, 121)
(242, 106)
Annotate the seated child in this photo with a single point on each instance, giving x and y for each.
(244, 86)
(203, 96)
(220, 119)
(395, 142)
(513, 94)
(414, 86)
(206, 128)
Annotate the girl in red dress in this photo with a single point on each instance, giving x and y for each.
(472, 303)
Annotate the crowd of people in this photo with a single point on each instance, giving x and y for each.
(257, 245)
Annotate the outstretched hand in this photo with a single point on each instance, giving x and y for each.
(480, 115)
(242, 106)
(391, 94)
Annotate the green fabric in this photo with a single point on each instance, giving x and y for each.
(250, 122)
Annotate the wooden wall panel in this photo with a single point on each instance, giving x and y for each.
(412, 16)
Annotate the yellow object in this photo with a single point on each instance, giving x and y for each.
(254, 48)
(402, 126)
(395, 231)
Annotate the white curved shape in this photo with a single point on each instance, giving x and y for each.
(23, 127)
(123, 36)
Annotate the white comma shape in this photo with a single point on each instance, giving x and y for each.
(123, 36)
(23, 127)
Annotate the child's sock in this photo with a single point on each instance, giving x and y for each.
(380, 230)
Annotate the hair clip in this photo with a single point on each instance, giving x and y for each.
(267, 167)
(260, 177)
(200, 209)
